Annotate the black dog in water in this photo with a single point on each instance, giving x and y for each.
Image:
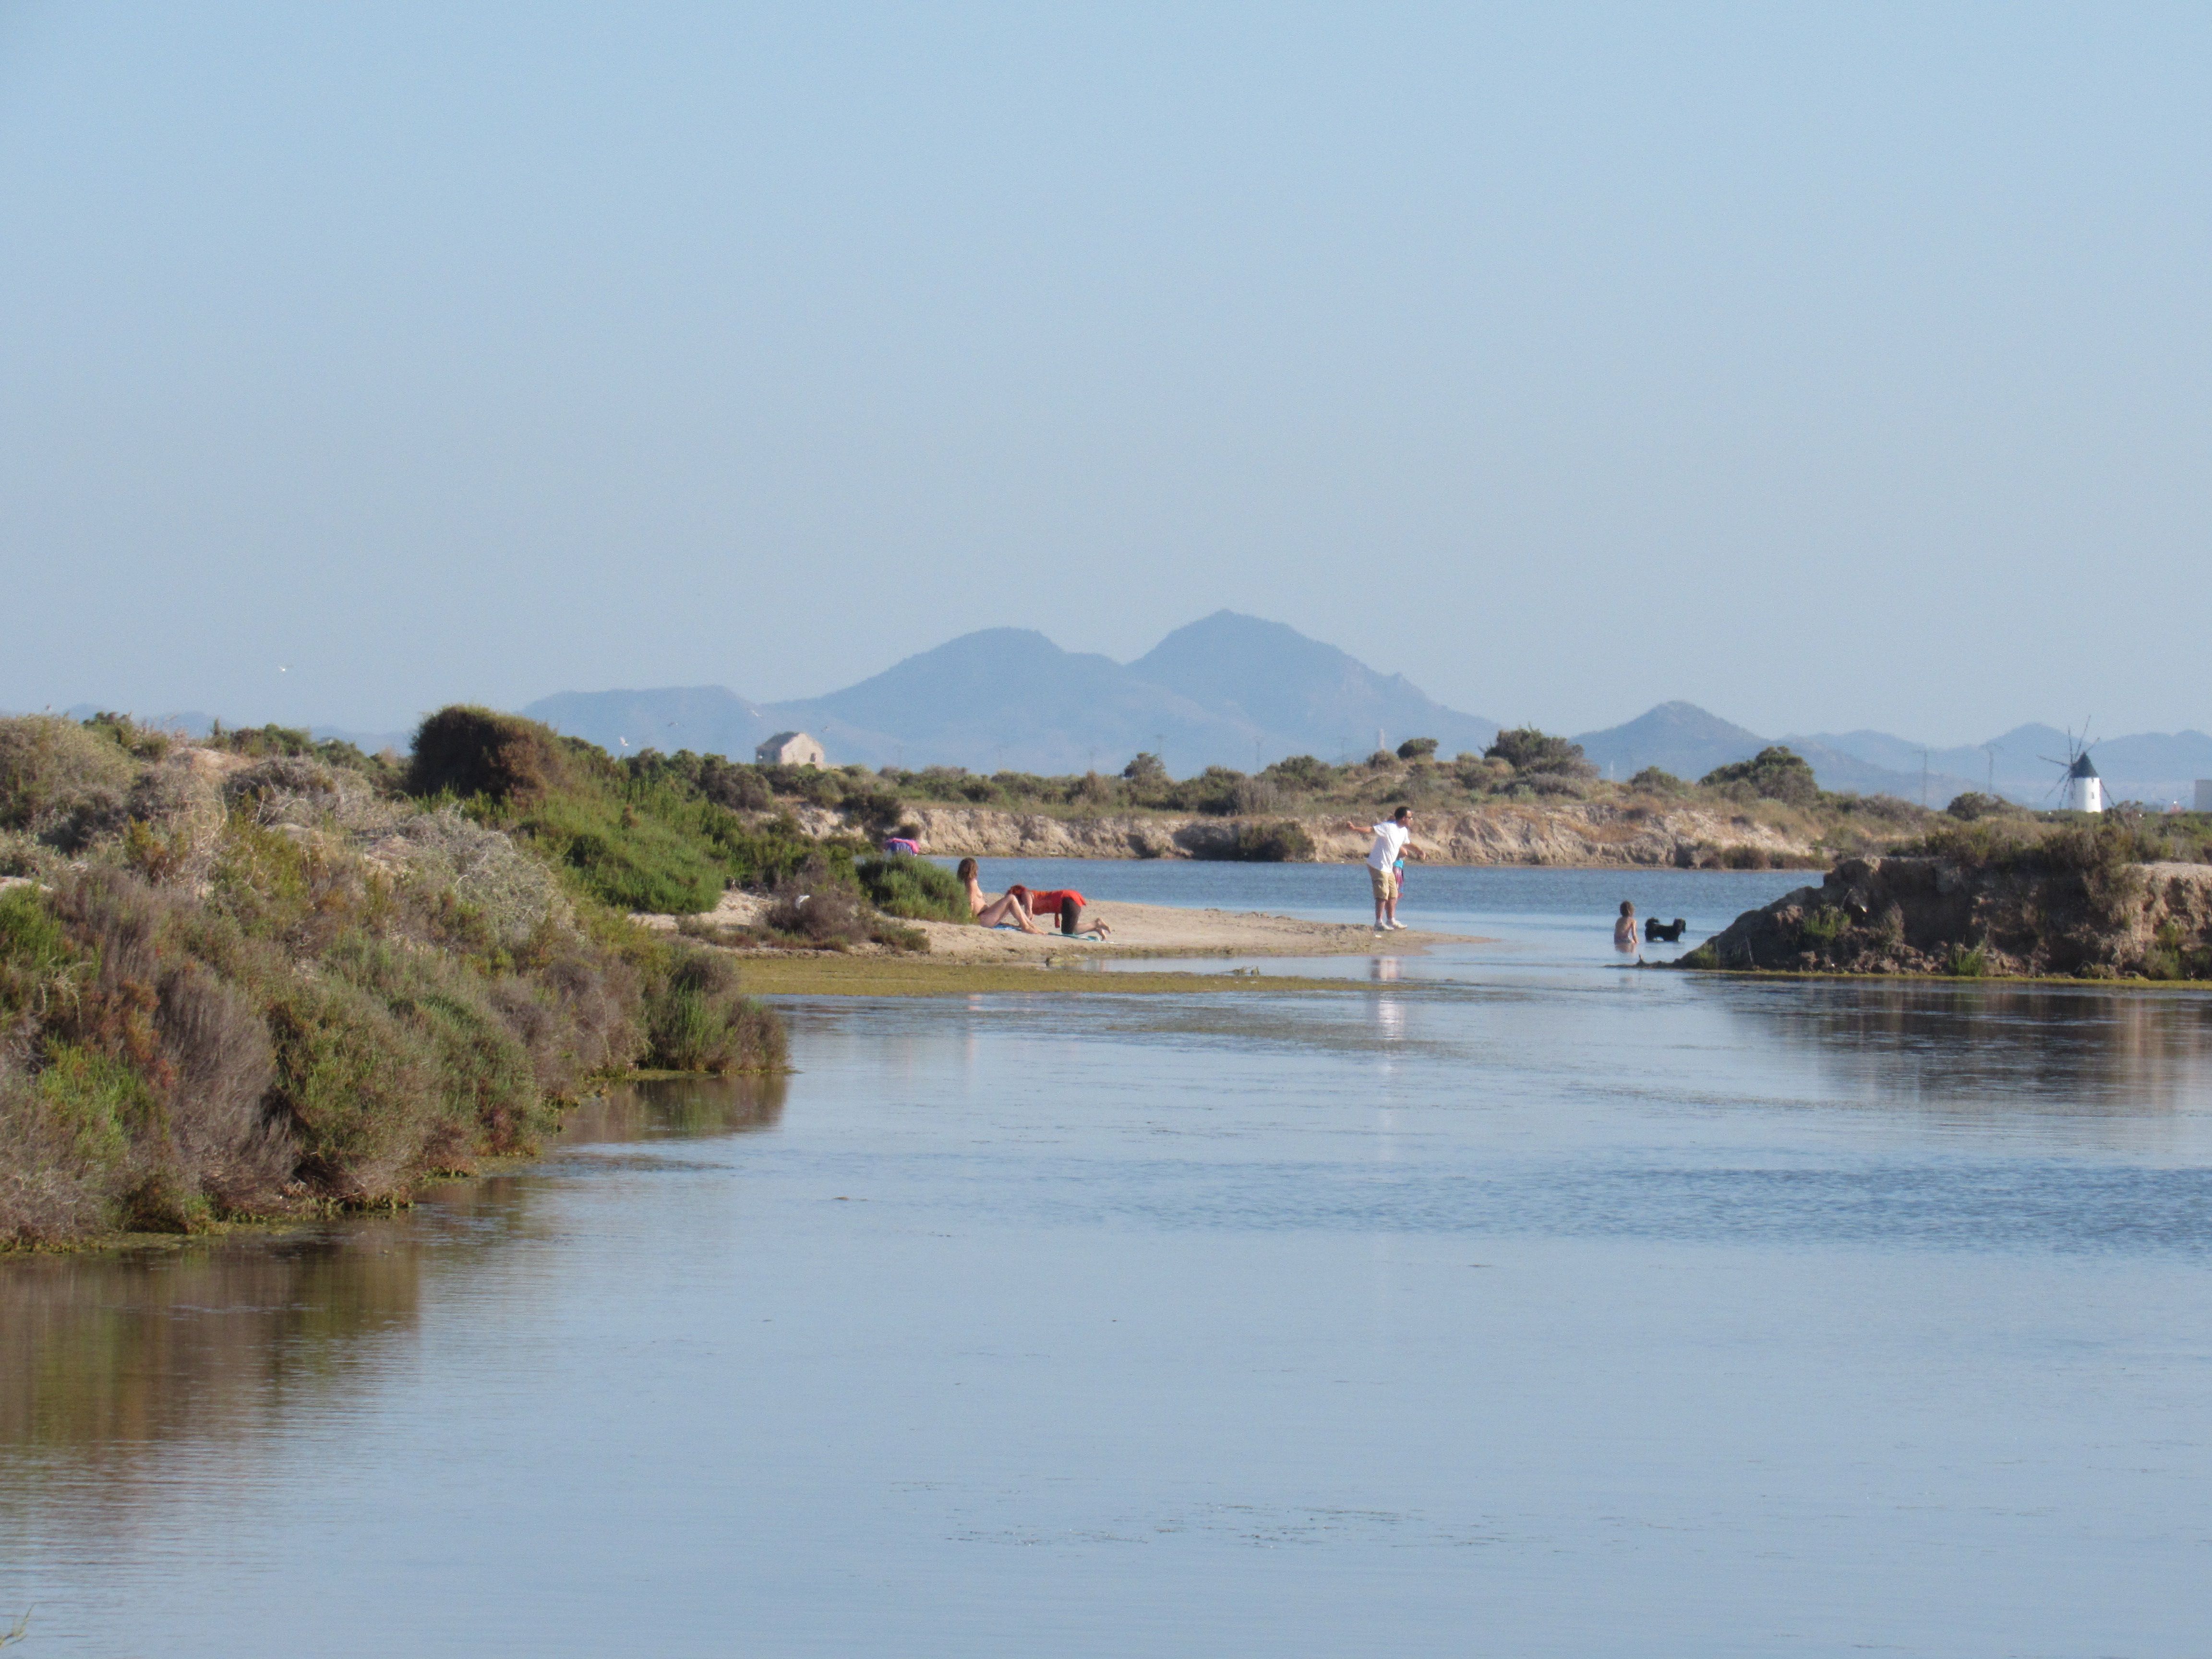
(1659, 932)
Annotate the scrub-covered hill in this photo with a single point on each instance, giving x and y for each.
(260, 977)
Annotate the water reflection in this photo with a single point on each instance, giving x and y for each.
(2010, 1045)
(213, 1341)
(206, 1341)
(676, 1107)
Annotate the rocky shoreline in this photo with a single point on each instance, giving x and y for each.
(1584, 834)
(1918, 915)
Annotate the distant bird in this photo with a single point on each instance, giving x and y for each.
(282, 669)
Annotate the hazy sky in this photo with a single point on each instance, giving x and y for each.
(1825, 367)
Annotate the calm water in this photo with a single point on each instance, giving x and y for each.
(1518, 1305)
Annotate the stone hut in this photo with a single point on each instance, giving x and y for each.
(790, 749)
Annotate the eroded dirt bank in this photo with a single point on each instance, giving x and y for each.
(1913, 914)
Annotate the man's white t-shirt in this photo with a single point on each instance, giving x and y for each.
(1390, 838)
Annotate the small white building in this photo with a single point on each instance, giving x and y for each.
(790, 749)
(2084, 790)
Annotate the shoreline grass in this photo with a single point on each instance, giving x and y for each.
(906, 976)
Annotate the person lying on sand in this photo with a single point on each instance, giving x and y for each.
(1063, 904)
(1007, 910)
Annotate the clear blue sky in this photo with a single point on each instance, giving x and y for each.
(1827, 367)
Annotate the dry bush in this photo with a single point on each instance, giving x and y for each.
(283, 789)
(813, 905)
(510, 895)
(1254, 796)
(61, 783)
(221, 1064)
(576, 1013)
(116, 921)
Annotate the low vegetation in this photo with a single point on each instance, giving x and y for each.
(1272, 808)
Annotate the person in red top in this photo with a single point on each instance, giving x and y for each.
(1054, 901)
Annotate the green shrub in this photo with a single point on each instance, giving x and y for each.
(60, 1170)
(899, 884)
(1965, 962)
(467, 752)
(480, 1070)
(1974, 805)
(358, 1089)
(1824, 925)
(1531, 751)
(1775, 772)
(1282, 842)
(37, 963)
(1657, 780)
(96, 1100)
(757, 855)
(142, 742)
(697, 1020)
(633, 859)
(1302, 772)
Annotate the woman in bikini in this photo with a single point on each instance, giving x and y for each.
(993, 912)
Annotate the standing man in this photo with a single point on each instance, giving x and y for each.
(1393, 837)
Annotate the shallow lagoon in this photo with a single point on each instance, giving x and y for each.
(1518, 1305)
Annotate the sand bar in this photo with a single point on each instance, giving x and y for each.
(1139, 930)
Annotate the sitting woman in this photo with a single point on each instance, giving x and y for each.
(1007, 910)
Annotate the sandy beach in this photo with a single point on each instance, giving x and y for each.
(1139, 930)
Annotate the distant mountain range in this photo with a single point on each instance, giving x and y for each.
(2023, 765)
(1236, 691)
(1232, 690)
(193, 723)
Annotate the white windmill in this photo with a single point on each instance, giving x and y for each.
(2080, 788)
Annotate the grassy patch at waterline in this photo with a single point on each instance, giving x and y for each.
(906, 976)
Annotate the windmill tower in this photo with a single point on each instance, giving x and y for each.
(2084, 790)
(2080, 788)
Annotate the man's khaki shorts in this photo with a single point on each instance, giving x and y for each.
(1385, 883)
